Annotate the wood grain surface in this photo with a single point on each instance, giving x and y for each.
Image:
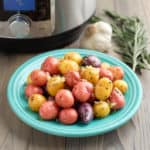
(134, 135)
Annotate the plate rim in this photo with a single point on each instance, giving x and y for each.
(30, 60)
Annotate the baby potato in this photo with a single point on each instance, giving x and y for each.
(90, 73)
(106, 73)
(73, 56)
(103, 89)
(54, 84)
(117, 99)
(85, 112)
(35, 101)
(32, 89)
(82, 91)
(101, 109)
(72, 78)
(68, 65)
(64, 98)
(117, 72)
(105, 65)
(68, 116)
(38, 77)
(91, 60)
(121, 85)
(50, 65)
(49, 110)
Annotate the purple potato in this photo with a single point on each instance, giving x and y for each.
(85, 113)
(91, 60)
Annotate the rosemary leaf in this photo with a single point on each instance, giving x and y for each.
(94, 19)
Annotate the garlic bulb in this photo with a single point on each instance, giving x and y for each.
(104, 28)
(97, 36)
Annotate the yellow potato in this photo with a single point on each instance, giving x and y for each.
(35, 101)
(103, 89)
(68, 65)
(105, 65)
(73, 56)
(121, 85)
(101, 109)
(90, 73)
(54, 84)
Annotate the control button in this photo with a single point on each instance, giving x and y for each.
(19, 25)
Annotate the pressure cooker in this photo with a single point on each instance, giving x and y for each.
(42, 24)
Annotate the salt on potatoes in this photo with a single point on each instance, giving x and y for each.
(90, 73)
(66, 65)
(103, 89)
(54, 84)
(73, 56)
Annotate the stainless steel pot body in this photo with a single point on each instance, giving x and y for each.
(72, 13)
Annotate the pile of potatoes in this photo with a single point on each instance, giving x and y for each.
(75, 88)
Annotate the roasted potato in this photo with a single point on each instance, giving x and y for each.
(101, 109)
(103, 89)
(91, 60)
(35, 101)
(54, 84)
(121, 85)
(68, 65)
(117, 72)
(90, 73)
(73, 56)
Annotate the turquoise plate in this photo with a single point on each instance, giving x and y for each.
(18, 102)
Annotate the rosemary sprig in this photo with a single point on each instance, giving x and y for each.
(129, 34)
(94, 19)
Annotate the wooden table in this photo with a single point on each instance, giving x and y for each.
(134, 135)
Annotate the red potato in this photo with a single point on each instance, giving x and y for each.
(72, 77)
(117, 99)
(68, 116)
(64, 98)
(33, 89)
(117, 72)
(38, 77)
(88, 85)
(106, 73)
(83, 91)
(90, 88)
(50, 65)
(49, 110)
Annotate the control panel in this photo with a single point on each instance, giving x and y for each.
(19, 5)
(25, 18)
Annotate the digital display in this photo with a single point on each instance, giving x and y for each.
(19, 5)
